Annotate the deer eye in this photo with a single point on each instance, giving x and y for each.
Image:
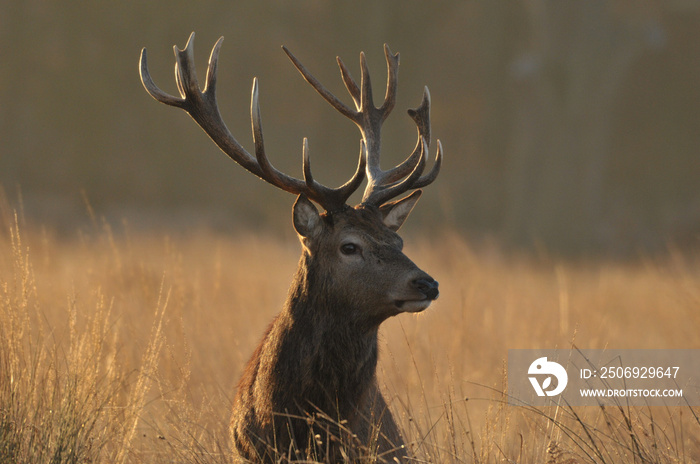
(349, 248)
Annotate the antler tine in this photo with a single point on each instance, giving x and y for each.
(432, 175)
(421, 116)
(374, 117)
(325, 93)
(339, 195)
(377, 193)
(392, 80)
(356, 92)
(350, 83)
(201, 105)
(366, 100)
(212, 68)
(151, 87)
(382, 185)
(381, 193)
(185, 72)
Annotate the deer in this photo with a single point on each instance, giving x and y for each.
(310, 389)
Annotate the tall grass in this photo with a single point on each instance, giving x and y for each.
(126, 346)
(57, 390)
(66, 393)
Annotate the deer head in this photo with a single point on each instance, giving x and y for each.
(353, 273)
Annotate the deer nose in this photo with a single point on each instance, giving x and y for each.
(428, 287)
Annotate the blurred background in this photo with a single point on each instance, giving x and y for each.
(573, 126)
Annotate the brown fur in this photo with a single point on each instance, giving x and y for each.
(310, 388)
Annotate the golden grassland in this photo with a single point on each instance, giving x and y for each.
(125, 347)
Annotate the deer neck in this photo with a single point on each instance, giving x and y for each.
(337, 352)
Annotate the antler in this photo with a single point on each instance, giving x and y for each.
(201, 105)
(382, 185)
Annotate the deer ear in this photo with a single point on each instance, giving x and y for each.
(395, 213)
(306, 218)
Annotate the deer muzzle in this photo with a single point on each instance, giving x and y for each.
(424, 291)
(428, 287)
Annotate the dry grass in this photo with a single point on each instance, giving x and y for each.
(125, 347)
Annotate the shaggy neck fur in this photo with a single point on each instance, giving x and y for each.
(338, 355)
(314, 369)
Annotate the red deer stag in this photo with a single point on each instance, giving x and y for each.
(310, 389)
